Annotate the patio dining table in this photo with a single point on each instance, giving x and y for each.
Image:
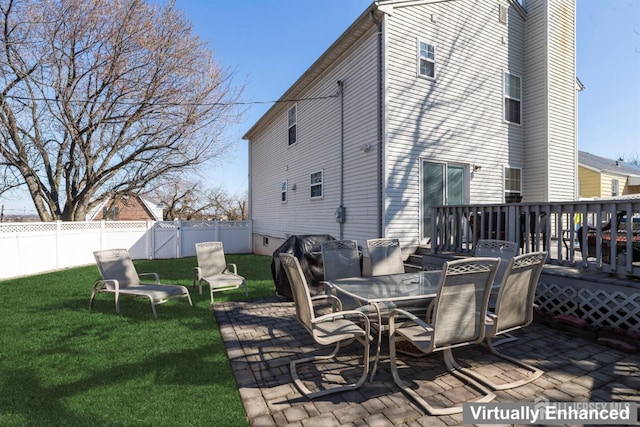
(411, 291)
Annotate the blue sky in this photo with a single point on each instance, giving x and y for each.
(270, 43)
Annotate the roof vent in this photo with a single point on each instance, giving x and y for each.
(503, 13)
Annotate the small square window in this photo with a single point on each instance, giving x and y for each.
(316, 185)
(292, 126)
(426, 59)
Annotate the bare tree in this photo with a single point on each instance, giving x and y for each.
(634, 158)
(181, 199)
(229, 206)
(100, 98)
(190, 200)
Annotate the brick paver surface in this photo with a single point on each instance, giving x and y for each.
(262, 336)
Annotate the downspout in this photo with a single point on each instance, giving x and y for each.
(340, 213)
(380, 153)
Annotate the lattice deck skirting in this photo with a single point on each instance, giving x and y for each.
(598, 308)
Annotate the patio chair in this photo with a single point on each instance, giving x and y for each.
(120, 277)
(457, 319)
(213, 270)
(328, 329)
(340, 259)
(503, 249)
(385, 256)
(514, 310)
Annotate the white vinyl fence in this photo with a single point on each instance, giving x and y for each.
(28, 248)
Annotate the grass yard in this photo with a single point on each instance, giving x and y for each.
(63, 364)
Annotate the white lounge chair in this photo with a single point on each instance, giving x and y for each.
(120, 277)
(213, 270)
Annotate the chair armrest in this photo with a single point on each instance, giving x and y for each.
(345, 315)
(233, 268)
(156, 277)
(336, 304)
(102, 283)
(328, 287)
(407, 316)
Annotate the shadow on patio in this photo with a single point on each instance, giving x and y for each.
(262, 336)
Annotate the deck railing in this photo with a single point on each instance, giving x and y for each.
(591, 234)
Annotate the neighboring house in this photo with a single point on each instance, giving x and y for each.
(606, 178)
(129, 208)
(417, 104)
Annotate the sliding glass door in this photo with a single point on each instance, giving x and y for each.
(442, 184)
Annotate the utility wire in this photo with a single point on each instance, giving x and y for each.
(204, 104)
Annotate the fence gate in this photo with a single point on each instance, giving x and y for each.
(166, 235)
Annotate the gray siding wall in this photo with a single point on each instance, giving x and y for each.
(272, 160)
(456, 118)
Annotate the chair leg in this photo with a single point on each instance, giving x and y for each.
(153, 308)
(487, 395)
(310, 394)
(93, 296)
(533, 372)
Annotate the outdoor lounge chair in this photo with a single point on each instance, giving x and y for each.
(119, 277)
(385, 256)
(514, 310)
(213, 269)
(328, 329)
(457, 319)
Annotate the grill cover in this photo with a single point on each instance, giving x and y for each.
(307, 249)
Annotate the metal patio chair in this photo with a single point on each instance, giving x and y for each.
(329, 329)
(514, 310)
(340, 258)
(385, 256)
(457, 319)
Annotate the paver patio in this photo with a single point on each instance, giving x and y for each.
(263, 335)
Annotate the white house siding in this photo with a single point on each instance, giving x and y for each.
(562, 105)
(318, 148)
(550, 101)
(458, 118)
(536, 92)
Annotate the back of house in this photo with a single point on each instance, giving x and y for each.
(420, 104)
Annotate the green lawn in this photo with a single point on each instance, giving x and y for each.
(63, 364)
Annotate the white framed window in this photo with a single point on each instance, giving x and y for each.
(316, 184)
(512, 98)
(292, 115)
(426, 59)
(512, 184)
(615, 187)
(283, 191)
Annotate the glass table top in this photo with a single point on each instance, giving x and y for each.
(392, 287)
